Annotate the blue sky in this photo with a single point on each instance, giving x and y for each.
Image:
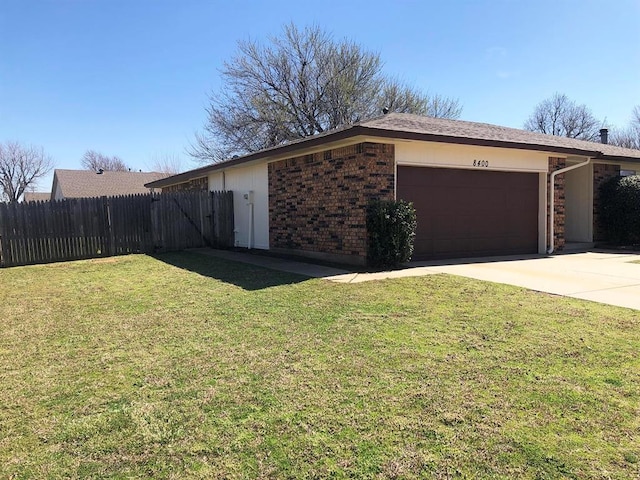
(131, 77)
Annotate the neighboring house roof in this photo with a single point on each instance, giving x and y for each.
(36, 196)
(87, 183)
(416, 127)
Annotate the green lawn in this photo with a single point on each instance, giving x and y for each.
(186, 366)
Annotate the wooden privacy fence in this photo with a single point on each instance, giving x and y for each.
(73, 229)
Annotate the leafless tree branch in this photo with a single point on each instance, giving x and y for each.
(561, 116)
(93, 160)
(166, 163)
(21, 166)
(628, 137)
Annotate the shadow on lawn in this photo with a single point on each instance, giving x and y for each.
(247, 277)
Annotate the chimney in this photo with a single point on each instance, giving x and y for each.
(604, 135)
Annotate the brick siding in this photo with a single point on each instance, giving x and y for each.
(197, 184)
(558, 203)
(317, 202)
(601, 173)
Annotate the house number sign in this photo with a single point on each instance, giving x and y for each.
(481, 163)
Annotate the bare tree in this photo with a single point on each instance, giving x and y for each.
(301, 83)
(440, 106)
(93, 160)
(628, 137)
(561, 116)
(169, 163)
(21, 166)
(398, 97)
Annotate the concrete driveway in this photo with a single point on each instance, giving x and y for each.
(605, 277)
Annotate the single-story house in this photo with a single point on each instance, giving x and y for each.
(89, 183)
(478, 189)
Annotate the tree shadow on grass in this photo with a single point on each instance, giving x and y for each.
(245, 276)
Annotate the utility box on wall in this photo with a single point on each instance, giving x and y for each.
(248, 196)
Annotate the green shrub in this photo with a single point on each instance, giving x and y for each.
(620, 209)
(391, 227)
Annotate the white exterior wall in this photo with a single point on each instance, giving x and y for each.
(578, 204)
(216, 182)
(444, 155)
(57, 194)
(241, 180)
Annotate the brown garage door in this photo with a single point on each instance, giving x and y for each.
(466, 213)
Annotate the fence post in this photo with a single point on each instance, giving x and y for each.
(108, 230)
(2, 235)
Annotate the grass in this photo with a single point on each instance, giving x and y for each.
(185, 366)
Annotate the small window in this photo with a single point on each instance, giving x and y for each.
(627, 173)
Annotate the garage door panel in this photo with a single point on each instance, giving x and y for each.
(477, 226)
(465, 213)
(492, 199)
(443, 227)
(422, 245)
(447, 244)
(485, 244)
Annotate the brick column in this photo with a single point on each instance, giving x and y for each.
(556, 163)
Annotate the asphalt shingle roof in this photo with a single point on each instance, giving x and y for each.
(409, 126)
(459, 129)
(87, 183)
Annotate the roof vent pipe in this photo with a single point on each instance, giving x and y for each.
(604, 135)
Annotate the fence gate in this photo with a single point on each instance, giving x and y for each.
(222, 219)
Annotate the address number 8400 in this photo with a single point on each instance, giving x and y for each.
(481, 163)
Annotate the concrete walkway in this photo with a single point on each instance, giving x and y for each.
(600, 276)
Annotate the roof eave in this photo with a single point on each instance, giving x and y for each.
(618, 158)
(430, 137)
(179, 178)
(280, 150)
(360, 130)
